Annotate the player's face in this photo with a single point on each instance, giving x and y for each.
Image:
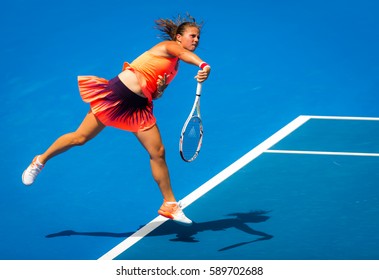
(190, 38)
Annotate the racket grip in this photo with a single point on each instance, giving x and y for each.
(198, 89)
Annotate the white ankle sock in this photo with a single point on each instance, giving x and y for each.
(38, 162)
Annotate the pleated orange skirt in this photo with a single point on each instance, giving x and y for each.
(116, 105)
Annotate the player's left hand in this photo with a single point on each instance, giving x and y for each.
(161, 84)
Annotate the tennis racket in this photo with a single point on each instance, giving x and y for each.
(192, 132)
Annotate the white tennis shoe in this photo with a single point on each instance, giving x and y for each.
(30, 174)
(173, 211)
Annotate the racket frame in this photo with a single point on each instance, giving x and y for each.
(195, 113)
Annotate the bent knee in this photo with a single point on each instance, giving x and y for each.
(158, 152)
(79, 140)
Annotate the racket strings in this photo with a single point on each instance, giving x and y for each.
(191, 139)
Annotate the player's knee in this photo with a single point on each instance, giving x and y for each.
(158, 153)
(80, 140)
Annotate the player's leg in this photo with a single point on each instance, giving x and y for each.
(151, 140)
(88, 129)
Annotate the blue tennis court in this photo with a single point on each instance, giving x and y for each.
(289, 164)
(313, 182)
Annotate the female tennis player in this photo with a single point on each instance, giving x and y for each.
(126, 102)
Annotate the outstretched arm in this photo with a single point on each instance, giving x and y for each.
(174, 49)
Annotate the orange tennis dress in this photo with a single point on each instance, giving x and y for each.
(116, 105)
(148, 67)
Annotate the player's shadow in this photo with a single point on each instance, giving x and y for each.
(182, 233)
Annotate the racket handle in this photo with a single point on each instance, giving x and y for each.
(198, 89)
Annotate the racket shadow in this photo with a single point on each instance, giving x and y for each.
(238, 221)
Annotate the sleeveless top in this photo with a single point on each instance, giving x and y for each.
(148, 67)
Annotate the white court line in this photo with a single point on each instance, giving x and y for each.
(322, 153)
(206, 187)
(327, 152)
(344, 118)
(134, 238)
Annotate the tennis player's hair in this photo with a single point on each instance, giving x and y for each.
(169, 28)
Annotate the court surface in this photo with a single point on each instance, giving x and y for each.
(289, 163)
(308, 192)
